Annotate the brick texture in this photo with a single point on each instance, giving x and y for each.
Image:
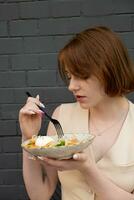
(31, 34)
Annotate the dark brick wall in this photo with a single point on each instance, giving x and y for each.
(31, 34)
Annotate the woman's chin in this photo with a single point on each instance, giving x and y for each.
(84, 105)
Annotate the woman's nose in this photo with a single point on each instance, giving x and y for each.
(73, 85)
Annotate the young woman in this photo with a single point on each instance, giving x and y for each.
(99, 73)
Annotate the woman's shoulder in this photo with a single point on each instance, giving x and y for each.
(73, 118)
(68, 105)
(131, 108)
(65, 108)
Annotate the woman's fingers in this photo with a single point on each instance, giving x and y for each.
(31, 106)
(36, 100)
(32, 158)
(77, 162)
(52, 162)
(30, 111)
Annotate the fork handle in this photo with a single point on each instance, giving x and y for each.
(28, 94)
(43, 110)
(40, 107)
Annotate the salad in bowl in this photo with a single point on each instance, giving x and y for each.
(53, 147)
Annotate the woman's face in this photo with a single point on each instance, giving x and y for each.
(89, 92)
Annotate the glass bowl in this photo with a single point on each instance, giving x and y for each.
(61, 152)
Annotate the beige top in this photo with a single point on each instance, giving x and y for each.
(117, 163)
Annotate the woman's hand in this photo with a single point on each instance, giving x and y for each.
(81, 161)
(30, 117)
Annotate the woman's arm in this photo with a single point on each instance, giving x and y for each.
(104, 188)
(40, 179)
(39, 187)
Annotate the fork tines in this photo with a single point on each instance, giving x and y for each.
(57, 127)
(54, 121)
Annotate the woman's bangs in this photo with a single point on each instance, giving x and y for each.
(72, 60)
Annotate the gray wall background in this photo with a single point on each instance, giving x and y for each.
(31, 34)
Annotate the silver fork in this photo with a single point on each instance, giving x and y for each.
(55, 122)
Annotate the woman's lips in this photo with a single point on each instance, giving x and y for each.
(80, 98)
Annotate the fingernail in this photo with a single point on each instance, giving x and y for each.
(42, 105)
(41, 113)
(31, 158)
(75, 156)
(40, 157)
(38, 97)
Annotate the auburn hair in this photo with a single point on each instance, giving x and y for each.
(98, 51)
